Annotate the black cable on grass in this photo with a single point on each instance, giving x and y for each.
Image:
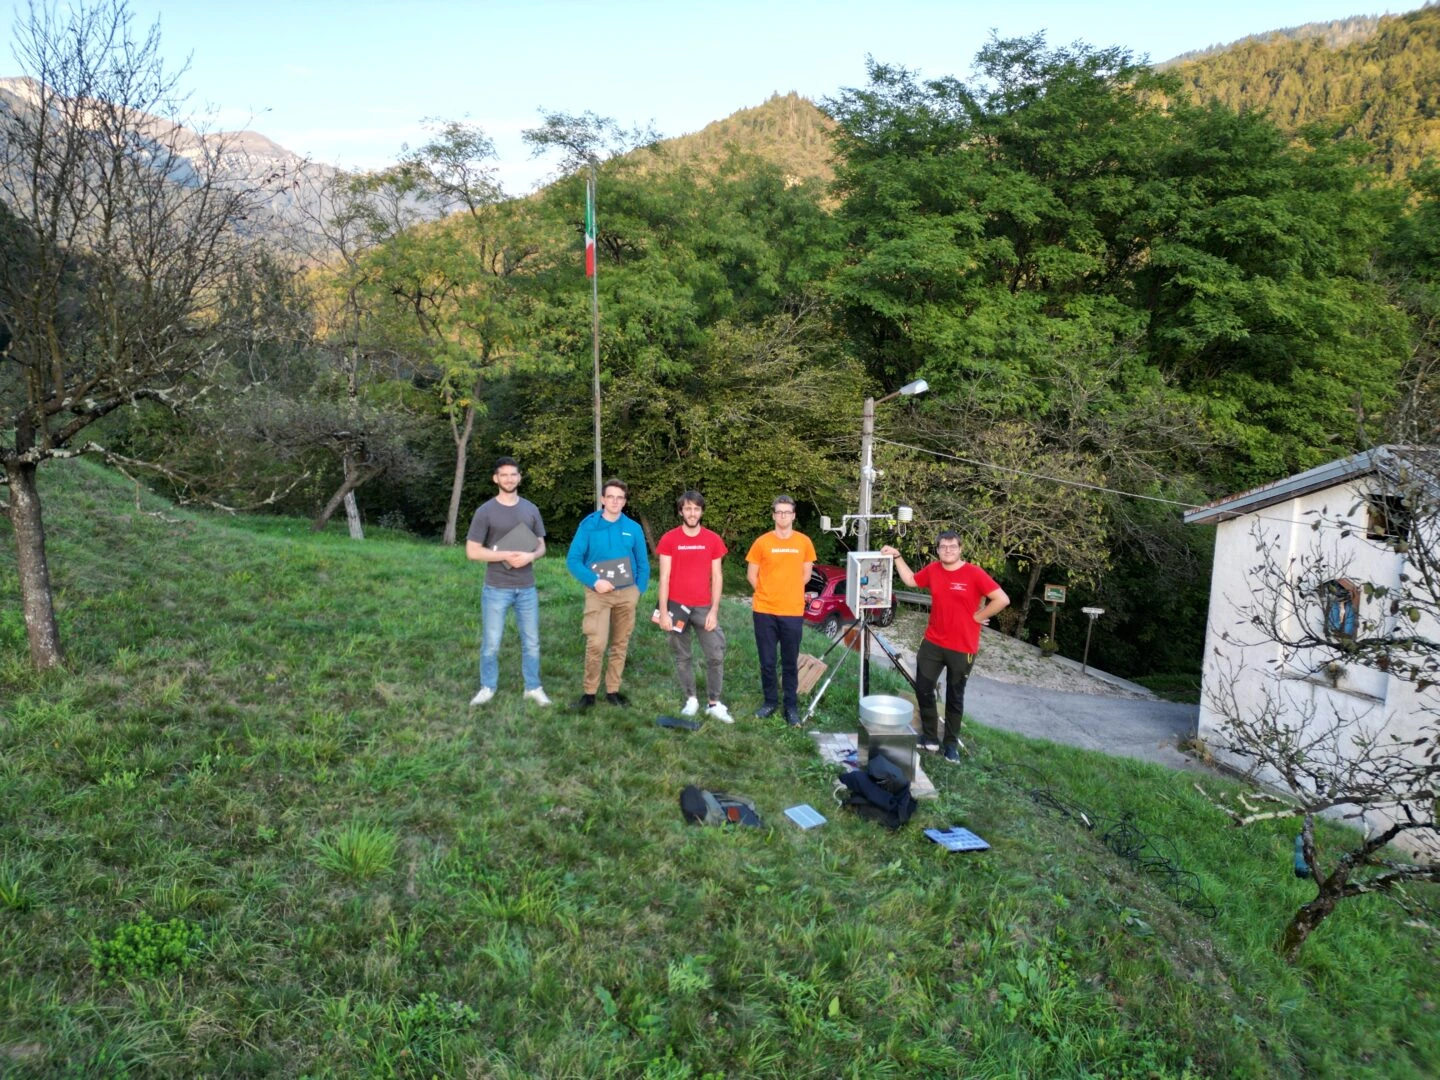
(1154, 856)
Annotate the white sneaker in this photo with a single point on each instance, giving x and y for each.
(692, 706)
(537, 695)
(719, 712)
(484, 694)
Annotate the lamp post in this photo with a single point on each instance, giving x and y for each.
(867, 483)
(1094, 613)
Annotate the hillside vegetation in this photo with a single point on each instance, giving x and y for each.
(259, 757)
(1381, 85)
(786, 131)
(1334, 34)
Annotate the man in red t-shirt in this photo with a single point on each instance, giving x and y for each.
(962, 598)
(690, 583)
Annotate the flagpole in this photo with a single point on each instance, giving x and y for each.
(595, 327)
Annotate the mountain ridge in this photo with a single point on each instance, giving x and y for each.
(1383, 88)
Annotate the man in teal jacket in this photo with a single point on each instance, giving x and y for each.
(608, 557)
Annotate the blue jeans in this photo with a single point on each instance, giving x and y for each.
(493, 605)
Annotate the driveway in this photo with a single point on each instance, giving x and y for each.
(1145, 728)
(1103, 712)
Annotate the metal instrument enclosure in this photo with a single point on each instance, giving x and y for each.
(869, 581)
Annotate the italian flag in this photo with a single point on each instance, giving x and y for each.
(589, 229)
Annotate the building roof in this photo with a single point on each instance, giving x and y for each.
(1393, 462)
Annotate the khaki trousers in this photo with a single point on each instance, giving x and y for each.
(609, 619)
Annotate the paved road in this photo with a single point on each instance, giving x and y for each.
(1145, 728)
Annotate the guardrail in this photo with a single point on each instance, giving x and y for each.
(920, 598)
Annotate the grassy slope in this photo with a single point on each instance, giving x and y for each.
(240, 693)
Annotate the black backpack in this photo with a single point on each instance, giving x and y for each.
(880, 792)
(702, 807)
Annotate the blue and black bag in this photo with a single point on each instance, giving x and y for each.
(702, 807)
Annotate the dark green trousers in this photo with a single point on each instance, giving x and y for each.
(930, 661)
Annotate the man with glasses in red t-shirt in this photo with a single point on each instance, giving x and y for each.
(962, 598)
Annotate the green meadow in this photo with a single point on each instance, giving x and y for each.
(252, 828)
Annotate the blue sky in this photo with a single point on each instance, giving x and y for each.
(349, 82)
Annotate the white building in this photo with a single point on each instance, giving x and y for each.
(1310, 573)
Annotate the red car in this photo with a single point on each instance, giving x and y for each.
(825, 602)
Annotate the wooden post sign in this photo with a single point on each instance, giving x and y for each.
(1054, 597)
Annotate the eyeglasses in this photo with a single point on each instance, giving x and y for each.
(783, 513)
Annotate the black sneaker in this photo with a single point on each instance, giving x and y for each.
(792, 717)
(930, 746)
(764, 712)
(951, 753)
(587, 701)
(617, 698)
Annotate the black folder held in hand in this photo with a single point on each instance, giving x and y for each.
(520, 538)
(615, 571)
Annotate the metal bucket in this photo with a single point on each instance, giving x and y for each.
(884, 711)
(886, 727)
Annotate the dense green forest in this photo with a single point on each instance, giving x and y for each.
(1126, 298)
(1378, 80)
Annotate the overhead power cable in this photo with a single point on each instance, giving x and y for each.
(1038, 476)
(1095, 487)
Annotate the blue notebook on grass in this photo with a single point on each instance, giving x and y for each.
(957, 839)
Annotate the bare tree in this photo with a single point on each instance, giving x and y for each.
(352, 217)
(457, 285)
(368, 441)
(119, 237)
(1311, 721)
(586, 139)
(1029, 486)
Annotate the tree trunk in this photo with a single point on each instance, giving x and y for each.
(1307, 919)
(462, 447)
(36, 599)
(352, 516)
(649, 534)
(1035, 569)
(354, 477)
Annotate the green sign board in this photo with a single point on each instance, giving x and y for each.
(1054, 594)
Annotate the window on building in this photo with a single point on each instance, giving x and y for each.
(1342, 607)
(1387, 518)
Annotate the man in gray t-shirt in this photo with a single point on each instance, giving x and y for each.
(509, 579)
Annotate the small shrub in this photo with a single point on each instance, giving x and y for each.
(689, 977)
(145, 948)
(13, 893)
(424, 1030)
(394, 520)
(358, 850)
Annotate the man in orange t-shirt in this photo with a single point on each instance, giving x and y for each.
(779, 567)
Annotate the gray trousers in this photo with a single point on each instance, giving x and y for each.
(712, 644)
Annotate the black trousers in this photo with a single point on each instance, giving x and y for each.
(784, 631)
(929, 662)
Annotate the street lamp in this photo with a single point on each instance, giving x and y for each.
(1094, 613)
(867, 483)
